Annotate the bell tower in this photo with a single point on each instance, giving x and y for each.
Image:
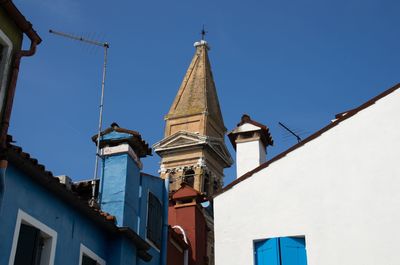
(193, 150)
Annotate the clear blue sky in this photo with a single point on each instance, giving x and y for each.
(298, 62)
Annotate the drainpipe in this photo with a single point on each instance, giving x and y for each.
(186, 251)
(7, 114)
(11, 91)
(163, 260)
(26, 27)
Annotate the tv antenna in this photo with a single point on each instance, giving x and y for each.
(105, 45)
(290, 131)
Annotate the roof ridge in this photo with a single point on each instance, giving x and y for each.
(316, 134)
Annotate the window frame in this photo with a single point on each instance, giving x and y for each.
(83, 250)
(24, 218)
(4, 66)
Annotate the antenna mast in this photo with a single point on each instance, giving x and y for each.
(287, 129)
(105, 45)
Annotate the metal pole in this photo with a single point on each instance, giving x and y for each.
(96, 167)
(105, 45)
(78, 38)
(163, 254)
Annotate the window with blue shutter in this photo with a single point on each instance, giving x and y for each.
(154, 220)
(280, 251)
(267, 252)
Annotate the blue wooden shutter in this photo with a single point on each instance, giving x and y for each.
(154, 220)
(267, 252)
(293, 251)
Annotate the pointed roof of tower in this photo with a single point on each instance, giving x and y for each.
(197, 93)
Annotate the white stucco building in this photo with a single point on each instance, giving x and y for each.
(336, 192)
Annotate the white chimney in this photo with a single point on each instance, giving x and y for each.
(250, 140)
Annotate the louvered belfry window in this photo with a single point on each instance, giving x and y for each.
(154, 220)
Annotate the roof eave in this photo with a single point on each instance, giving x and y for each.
(48, 181)
(20, 20)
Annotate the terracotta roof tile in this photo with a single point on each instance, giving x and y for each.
(139, 145)
(38, 173)
(48, 175)
(266, 137)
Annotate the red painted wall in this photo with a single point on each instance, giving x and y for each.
(175, 256)
(176, 247)
(191, 219)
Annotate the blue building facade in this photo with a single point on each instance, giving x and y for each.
(47, 220)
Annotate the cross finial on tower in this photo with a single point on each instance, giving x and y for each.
(203, 33)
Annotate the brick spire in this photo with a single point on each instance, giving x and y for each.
(197, 93)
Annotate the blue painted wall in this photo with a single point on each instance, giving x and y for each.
(156, 186)
(2, 185)
(72, 228)
(122, 253)
(125, 191)
(115, 136)
(120, 189)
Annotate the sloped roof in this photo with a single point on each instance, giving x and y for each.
(197, 93)
(339, 118)
(266, 137)
(38, 173)
(135, 140)
(186, 191)
(19, 19)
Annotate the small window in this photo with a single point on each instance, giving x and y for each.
(189, 177)
(34, 242)
(30, 246)
(281, 251)
(88, 257)
(86, 260)
(154, 220)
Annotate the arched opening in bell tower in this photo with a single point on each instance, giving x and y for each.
(188, 177)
